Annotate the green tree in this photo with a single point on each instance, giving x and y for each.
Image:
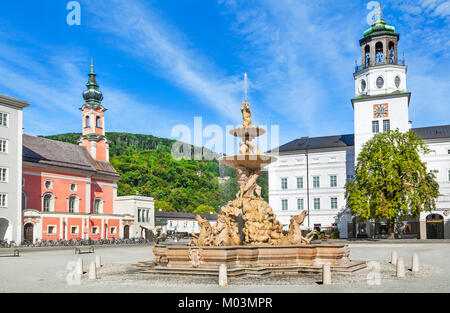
(204, 209)
(164, 206)
(391, 181)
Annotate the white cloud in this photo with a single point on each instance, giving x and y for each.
(439, 8)
(297, 49)
(53, 87)
(164, 50)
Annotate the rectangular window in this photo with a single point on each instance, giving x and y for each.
(284, 183)
(3, 174)
(386, 125)
(284, 205)
(333, 181)
(113, 230)
(334, 203)
(300, 204)
(3, 200)
(74, 230)
(449, 175)
(51, 230)
(316, 181)
(3, 145)
(139, 215)
(375, 127)
(316, 203)
(95, 230)
(299, 182)
(3, 119)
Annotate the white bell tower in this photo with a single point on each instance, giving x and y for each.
(381, 98)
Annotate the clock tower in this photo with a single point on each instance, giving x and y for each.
(381, 99)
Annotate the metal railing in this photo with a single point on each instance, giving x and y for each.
(378, 62)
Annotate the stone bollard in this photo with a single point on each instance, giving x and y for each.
(415, 263)
(326, 274)
(394, 257)
(98, 261)
(400, 268)
(92, 271)
(79, 267)
(223, 280)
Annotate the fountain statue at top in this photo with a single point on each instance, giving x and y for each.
(248, 219)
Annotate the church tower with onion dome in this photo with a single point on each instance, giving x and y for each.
(93, 116)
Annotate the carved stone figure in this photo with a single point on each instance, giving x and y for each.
(246, 114)
(206, 237)
(246, 147)
(253, 147)
(294, 235)
(247, 184)
(222, 232)
(195, 256)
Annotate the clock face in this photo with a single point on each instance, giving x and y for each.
(380, 82)
(380, 110)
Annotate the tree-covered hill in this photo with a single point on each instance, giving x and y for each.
(123, 143)
(147, 167)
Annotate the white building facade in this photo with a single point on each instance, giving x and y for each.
(310, 173)
(138, 216)
(181, 222)
(11, 129)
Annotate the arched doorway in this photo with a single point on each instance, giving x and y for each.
(28, 232)
(435, 226)
(126, 232)
(4, 224)
(359, 228)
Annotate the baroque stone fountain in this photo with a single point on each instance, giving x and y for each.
(247, 238)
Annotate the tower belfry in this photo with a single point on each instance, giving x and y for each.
(381, 98)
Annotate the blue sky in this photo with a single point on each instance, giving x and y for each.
(160, 63)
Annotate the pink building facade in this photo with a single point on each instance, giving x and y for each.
(69, 191)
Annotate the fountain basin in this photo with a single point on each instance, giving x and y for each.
(249, 132)
(250, 161)
(251, 260)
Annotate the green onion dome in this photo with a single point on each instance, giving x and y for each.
(92, 95)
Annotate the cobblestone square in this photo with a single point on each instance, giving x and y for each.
(49, 271)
